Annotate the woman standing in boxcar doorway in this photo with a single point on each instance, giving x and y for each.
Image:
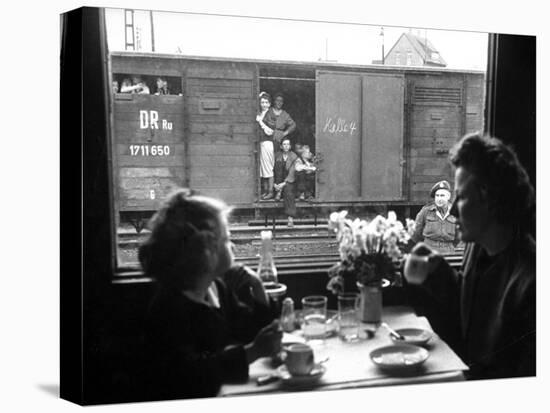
(267, 153)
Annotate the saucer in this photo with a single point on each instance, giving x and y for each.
(415, 336)
(399, 357)
(301, 380)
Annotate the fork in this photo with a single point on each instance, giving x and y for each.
(393, 332)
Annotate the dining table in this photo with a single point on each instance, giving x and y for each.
(348, 365)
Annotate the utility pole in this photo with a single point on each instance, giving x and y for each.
(152, 31)
(129, 36)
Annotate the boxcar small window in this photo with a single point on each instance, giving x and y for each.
(155, 84)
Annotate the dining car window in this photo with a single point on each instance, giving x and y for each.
(379, 124)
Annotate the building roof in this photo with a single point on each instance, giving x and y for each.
(424, 48)
(427, 48)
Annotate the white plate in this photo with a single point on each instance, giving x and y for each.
(305, 380)
(399, 357)
(415, 336)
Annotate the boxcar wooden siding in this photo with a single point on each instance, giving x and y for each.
(443, 108)
(213, 140)
(128, 125)
(219, 88)
(149, 147)
(223, 139)
(221, 109)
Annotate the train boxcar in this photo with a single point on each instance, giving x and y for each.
(382, 134)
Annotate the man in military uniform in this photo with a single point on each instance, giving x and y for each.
(434, 223)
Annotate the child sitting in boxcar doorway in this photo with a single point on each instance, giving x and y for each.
(305, 174)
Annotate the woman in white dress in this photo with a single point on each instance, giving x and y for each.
(267, 154)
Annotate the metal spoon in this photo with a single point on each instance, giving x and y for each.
(323, 361)
(393, 332)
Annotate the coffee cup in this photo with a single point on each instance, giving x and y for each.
(299, 359)
(417, 267)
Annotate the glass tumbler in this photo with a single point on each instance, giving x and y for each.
(348, 304)
(314, 309)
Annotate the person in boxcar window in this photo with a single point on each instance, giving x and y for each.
(126, 85)
(434, 224)
(285, 164)
(197, 334)
(162, 87)
(279, 120)
(305, 174)
(267, 153)
(137, 86)
(115, 86)
(487, 313)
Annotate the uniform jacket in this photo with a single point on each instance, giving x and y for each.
(488, 312)
(431, 226)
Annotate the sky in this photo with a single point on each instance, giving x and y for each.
(277, 39)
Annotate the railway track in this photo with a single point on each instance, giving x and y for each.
(295, 264)
(303, 249)
(249, 234)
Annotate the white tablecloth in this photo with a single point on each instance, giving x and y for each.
(349, 364)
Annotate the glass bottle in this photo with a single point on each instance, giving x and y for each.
(266, 270)
(288, 317)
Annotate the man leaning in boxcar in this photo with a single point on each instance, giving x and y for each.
(279, 120)
(487, 313)
(434, 224)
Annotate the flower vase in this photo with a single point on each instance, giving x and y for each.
(370, 304)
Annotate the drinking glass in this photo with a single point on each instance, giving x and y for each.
(348, 304)
(314, 309)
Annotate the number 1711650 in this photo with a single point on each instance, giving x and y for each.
(149, 150)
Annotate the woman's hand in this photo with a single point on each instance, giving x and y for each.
(267, 342)
(421, 262)
(267, 130)
(257, 290)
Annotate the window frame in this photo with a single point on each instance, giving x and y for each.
(121, 275)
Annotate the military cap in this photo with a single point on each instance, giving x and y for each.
(440, 185)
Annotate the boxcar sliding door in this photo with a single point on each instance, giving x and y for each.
(338, 130)
(359, 119)
(382, 151)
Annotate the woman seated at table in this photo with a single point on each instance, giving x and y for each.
(196, 328)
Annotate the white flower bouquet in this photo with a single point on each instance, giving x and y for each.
(369, 250)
